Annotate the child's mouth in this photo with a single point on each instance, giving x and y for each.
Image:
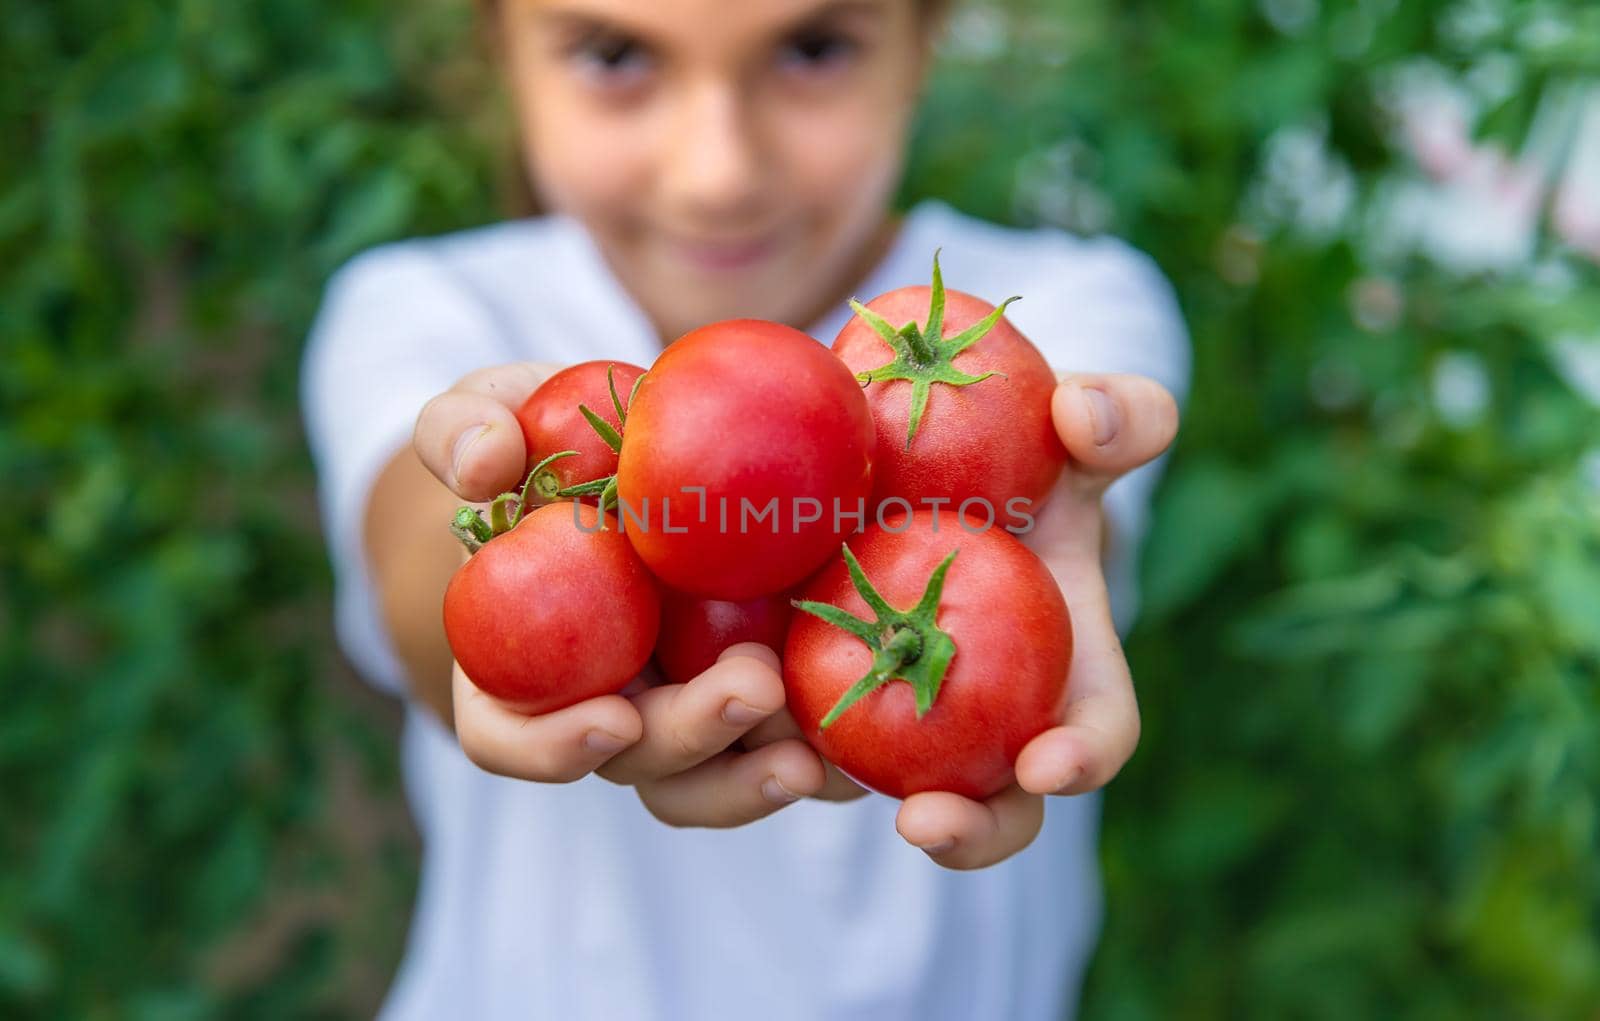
(723, 256)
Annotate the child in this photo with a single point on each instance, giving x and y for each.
(702, 161)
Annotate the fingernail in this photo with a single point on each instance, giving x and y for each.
(603, 742)
(776, 792)
(941, 847)
(742, 715)
(1102, 415)
(464, 443)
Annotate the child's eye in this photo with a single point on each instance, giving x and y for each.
(816, 52)
(612, 62)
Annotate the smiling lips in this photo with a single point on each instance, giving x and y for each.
(724, 256)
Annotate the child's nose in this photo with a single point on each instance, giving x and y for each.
(713, 163)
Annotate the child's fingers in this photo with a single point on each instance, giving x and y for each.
(734, 788)
(781, 726)
(468, 436)
(557, 747)
(685, 724)
(508, 384)
(1081, 756)
(837, 786)
(960, 833)
(1101, 718)
(472, 444)
(1111, 424)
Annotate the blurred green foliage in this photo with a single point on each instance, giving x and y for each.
(180, 831)
(1369, 660)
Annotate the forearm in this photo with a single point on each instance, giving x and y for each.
(412, 556)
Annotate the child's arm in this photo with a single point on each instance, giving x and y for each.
(411, 555)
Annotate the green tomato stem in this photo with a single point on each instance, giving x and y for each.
(505, 510)
(906, 645)
(603, 429)
(923, 356)
(542, 482)
(501, 516)
(469, 526)
(616, 402)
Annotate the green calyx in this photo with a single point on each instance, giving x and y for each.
(548, 487)
(906, 646)
(923, 356)
(507, 509)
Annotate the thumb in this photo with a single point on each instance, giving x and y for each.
(1112, 424)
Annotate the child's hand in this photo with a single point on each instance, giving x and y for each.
(672, 742)
(1110, 425)
(675, 744)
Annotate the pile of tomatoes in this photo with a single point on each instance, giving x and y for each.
(853, 508)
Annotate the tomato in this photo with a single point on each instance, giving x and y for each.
(553, 611)
(695, 631)
(934, 667)
(960, 397)
(777, 432)
(552, 422)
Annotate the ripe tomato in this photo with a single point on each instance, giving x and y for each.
(934, 666)
(778, 434)
(961, 399)
(554, 611)
(552, 422)
(695, 631)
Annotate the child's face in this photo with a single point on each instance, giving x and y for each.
(730, 157)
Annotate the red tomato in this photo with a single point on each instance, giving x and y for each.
(951, 674)
(778, 433)
(985, 431)
(552, 612)
(551, 422)
(695, 631)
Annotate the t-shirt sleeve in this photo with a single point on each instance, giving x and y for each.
(395, 328)
(1116, 312)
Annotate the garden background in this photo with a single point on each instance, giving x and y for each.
(1369, 660)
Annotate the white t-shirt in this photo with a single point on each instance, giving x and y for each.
(572, 902)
